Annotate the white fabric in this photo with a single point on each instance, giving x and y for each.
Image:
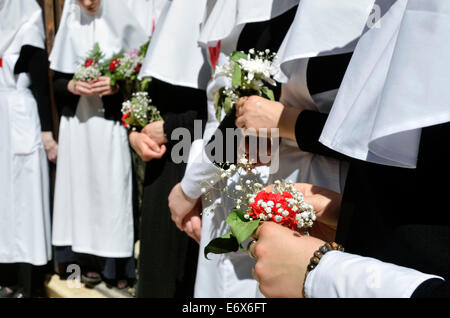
(322, 27)
(20, 19)
(93, 191)
(343, 275)
(93, 194)
(226, 15)
(396, 84)
(114, 27)
(174, 55)
(24, 187)
(147, 12)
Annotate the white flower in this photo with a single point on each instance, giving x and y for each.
(278, 218)
(238, 188)
(203, 190)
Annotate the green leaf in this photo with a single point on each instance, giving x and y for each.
(241, 228)
(237, 55)
(228, 105)
(237, 75)
(268, 93)
(221, 245)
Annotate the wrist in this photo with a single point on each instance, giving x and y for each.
(288, 119)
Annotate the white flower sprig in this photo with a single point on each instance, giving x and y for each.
(249, 74)
(138, 113)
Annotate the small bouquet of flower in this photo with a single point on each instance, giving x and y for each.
(125, 68)
(91, 68)
(283, 205)
(249, 73)
(138, 113)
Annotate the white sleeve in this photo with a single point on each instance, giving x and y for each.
(199, 171)
(344, 275)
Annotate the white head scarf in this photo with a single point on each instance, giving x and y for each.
(147, 12)
(228, 15)
(21, 24)
(397, 83)
(114, 27)
(322, 27)
(174, 55)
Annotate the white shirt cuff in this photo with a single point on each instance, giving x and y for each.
(344, 275)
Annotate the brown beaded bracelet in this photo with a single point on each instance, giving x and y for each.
(314, 261)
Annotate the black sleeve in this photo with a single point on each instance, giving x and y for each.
(34, 61)
(432, 288)
(66, 101)
(179, 106)
(308, 129)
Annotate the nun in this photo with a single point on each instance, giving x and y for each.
(391, 118)
(93, 211)
(25, 130)
(231, 25)
(179, 71)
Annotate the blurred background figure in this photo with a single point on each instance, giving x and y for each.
(25, 133)
(93, 211)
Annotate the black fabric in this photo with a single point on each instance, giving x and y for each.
(259, 36)
(399, 215)
(67, 102)
(28, 277)
(432, 288)
(34, 61)
(325, 73)
(168, 257)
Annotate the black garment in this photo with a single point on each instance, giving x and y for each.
(392, 214)
(34, 61)
(168, 257)
(68, 102)
(259, 36)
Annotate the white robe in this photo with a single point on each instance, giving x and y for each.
(93, 194)
(24, 185)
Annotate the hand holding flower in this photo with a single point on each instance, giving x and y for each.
(102, 86)
(145, 147)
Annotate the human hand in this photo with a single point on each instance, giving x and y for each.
(145, 147)
(192, 223)
(155, 131)
(326, 204)
(255, 112)
(77, 87)
(50, 145)
(282, 259)
(180, 205)
(102, 86)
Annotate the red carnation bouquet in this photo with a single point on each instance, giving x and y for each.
(284, 205)
(90, 69)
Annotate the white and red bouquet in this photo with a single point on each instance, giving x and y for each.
(91, 68)
(283, 204)
(138, 113)
(126, 67)
(250, 74)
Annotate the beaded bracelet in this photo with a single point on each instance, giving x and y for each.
(314, 261)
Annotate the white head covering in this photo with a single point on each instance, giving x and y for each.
(322, 27)
(174, 55)
(397, 83)
(114, 27)
(21, 24)
(147, 12)
(227, 15)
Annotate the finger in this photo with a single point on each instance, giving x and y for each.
(84, 91)
(187, 227)
(257, 232)
(197, 228)
(151, 143)
(84, 84)
(241, 102)
(255, 276)
(240, 122)
(251, 248)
